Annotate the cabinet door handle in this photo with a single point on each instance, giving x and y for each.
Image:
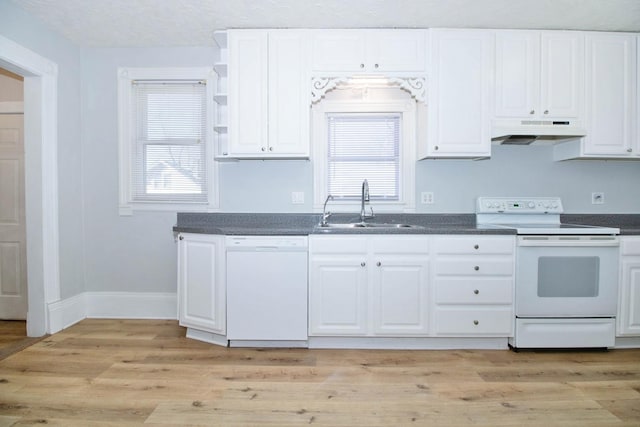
(376, 65)
(270, 148)
(361, 65)
(475, 322)
(436, 148)
(263, 149)
(476, 268)
(546, 111)
(378, 263)
(629, 150)
(532, 112)
(181, 237)
(476, 246)
(362, 264)
(476, 291)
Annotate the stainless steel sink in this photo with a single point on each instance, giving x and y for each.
(379, 225)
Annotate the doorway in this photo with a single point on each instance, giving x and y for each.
(13, 234)
(40, 180)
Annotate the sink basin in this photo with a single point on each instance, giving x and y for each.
(367, 225)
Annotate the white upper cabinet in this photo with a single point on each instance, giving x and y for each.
(610, 99)
(610, 94)
(268, 94)
(460, 94)
(346, 52)
(539, 74)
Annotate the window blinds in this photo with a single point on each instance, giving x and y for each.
(364, 146)
(169, 148)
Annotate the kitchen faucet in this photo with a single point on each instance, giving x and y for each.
(365, 198)
(325, 214)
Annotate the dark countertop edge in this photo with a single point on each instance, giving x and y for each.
(291, 224)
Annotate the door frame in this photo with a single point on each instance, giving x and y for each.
(41, 179)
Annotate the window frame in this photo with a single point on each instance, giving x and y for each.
(408, 111)
(127, 133)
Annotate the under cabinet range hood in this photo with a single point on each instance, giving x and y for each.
(524, 132)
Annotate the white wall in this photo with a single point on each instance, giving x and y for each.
(22, 28)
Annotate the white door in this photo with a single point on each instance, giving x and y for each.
(13, 261)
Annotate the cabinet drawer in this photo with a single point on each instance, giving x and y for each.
(464, 290)
(337, 244)
(474, 245)
(630, 246)
(475, 266)
(495, 322)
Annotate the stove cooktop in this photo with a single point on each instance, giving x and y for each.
(531, 215)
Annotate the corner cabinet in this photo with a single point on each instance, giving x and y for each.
(368, 286)
(268, 94)
(460, 94)
(629, 302)
(201, 286)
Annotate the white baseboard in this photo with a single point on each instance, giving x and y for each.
(66, 312)
(111, 305)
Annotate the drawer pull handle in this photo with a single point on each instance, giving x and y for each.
(476, 291)
(362, 264)
(476, 268)
(476, 246)
(475, 322)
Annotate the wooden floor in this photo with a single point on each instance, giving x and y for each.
(125, 373)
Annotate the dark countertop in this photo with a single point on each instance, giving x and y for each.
(264, 224)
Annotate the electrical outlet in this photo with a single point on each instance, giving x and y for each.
(597, 198)
(297, 197)
(427, 198)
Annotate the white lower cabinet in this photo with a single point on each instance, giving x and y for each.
(473, 283)
(368, 286)
(201, 284)
(629, 302)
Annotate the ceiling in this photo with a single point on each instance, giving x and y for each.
(131, 23)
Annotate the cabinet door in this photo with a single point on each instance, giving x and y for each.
(629, 309)
(610, 88)
(517, 73)
(247, 92)
(201, 283)
(398, 51)
(462, 66)
(289, 90)
(399, 294)
(562, 74)
(339, 50)
(338, 295)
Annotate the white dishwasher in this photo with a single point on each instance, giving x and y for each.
(267, 290)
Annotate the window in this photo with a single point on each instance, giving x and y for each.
(371, 138)
(364, 146)
(165, 141)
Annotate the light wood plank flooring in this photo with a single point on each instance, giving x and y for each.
(126, 373)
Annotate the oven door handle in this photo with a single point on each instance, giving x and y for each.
(564, 241)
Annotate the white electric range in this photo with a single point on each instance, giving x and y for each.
(566, 280)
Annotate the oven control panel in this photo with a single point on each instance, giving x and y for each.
(519, 205)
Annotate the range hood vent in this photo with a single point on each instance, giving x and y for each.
(524, 132)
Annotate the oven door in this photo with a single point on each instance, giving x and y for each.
(567, 276)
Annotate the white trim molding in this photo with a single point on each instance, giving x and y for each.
(41, 178)
(416, 86)
(111, 305)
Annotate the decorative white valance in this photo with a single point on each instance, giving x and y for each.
(416, 86)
